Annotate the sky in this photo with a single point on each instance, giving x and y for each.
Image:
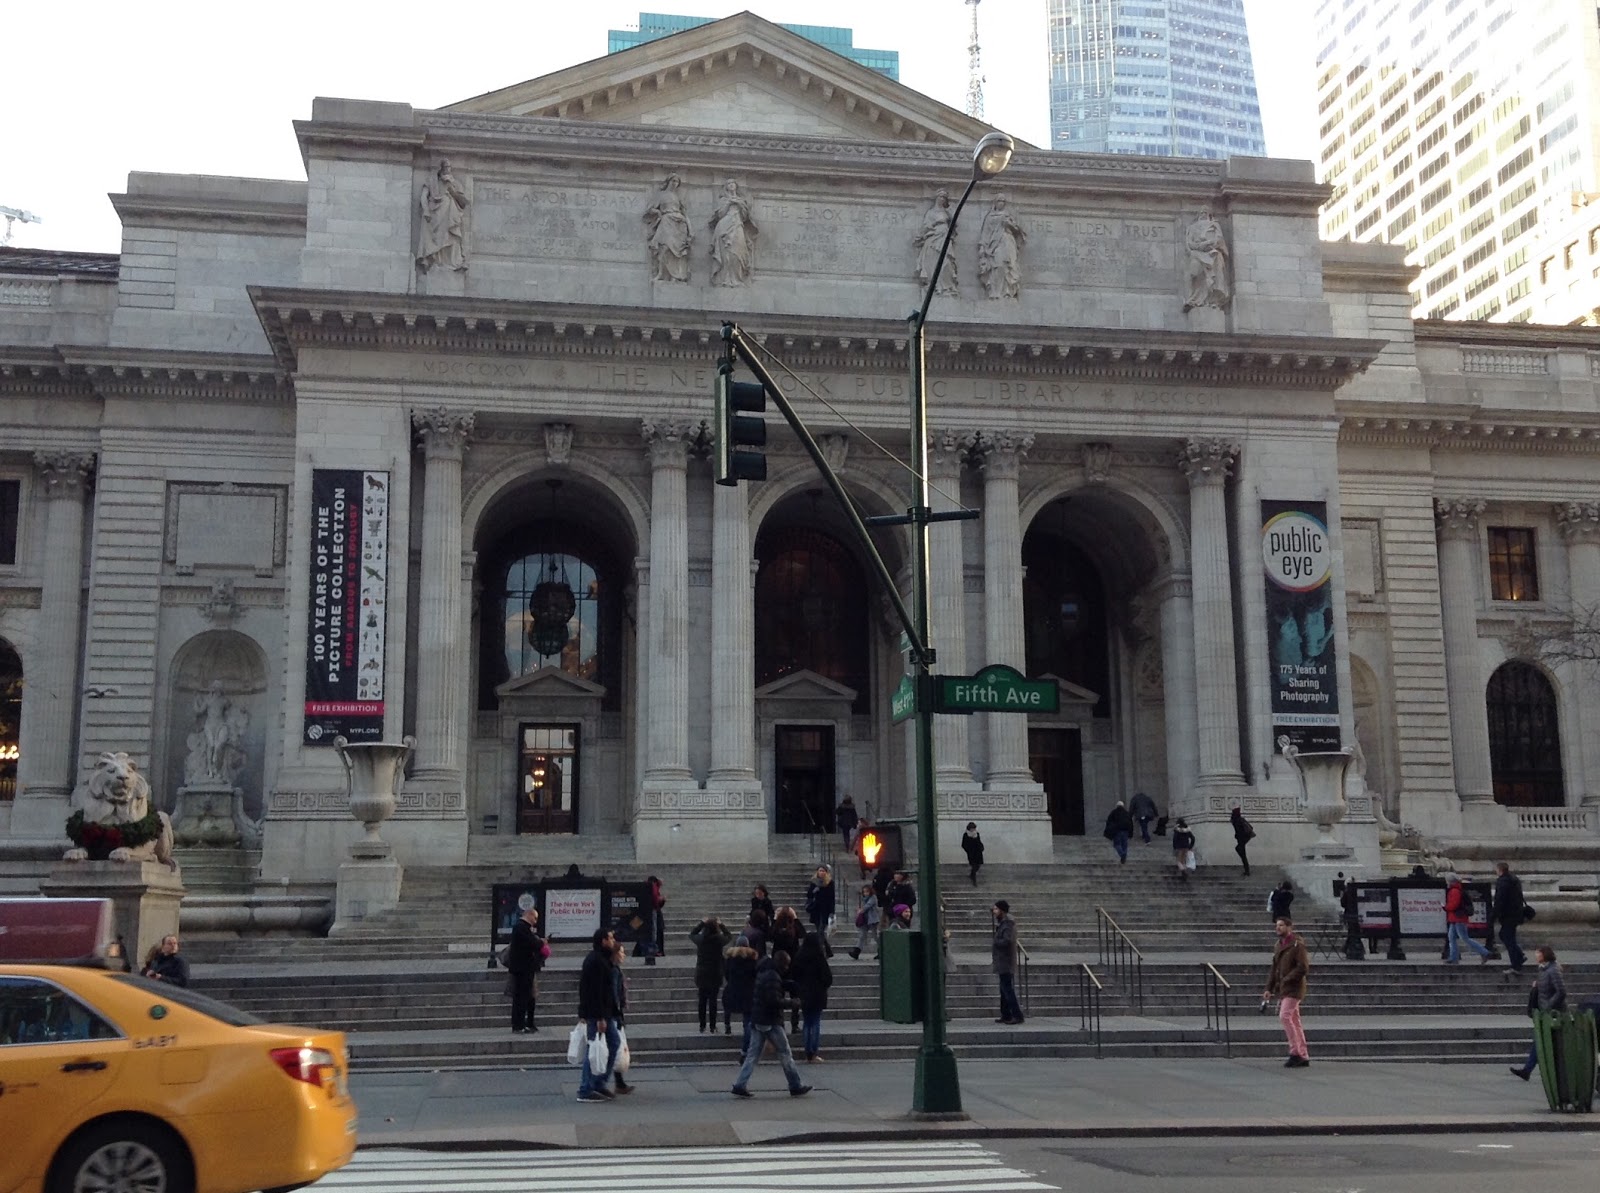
(93, 89)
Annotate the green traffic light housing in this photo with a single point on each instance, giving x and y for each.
(738, 429)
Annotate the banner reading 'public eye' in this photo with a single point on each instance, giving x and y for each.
(348, 607)
(1298, 556)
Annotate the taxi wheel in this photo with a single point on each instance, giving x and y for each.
(123, 1155)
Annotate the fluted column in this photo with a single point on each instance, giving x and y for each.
(47, 766)
(1579, 522)
(947, 599)
(1001, 454)
(733, 692)
(441, 629)
(1463, 671)
(668, 443)
(1177, 681)
(1207, 463)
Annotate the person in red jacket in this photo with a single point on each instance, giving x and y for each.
(1457, 918)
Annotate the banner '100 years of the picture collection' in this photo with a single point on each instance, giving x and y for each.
(348, 607)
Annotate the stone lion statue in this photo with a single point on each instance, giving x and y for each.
(116, 794)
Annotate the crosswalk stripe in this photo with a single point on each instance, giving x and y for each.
(933, 1167)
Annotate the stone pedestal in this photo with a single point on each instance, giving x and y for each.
(145, 897)
(212, 814)
(370, 881)
(696, 838)
(366, 887)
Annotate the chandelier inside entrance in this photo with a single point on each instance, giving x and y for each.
(552, 602)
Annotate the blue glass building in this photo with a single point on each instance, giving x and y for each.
(1166, 78)
(655, 25)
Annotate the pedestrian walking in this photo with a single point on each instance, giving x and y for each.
(821, 901)
(846, 818)
(619, 996)
(1183, 848)
(868, 914)
(786, 936)
(1549, 993)
(1144, 810)
(525, 957)
(902, 892)
(1280, 899)
(812, 976)
(709, 938)
(756, 932)
(972, 846)
(656, 927)
(1242, 835)
(1004, 962)
(766, 1027)
(899, 919)
(597, 1012)
(739, 962)
(1510, 910)
(762, 902)
(1458, 912)
(1291, 964)
(1119, 827)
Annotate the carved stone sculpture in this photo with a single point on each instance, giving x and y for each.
(112, 818)
(1000, 251)
(930, 238)
(443, 240)
(1210, 283)
(733, 238)
(215, 754)
(670, 236)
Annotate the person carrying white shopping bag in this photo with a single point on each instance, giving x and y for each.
(597, 1012)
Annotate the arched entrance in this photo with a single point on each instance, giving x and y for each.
(1524, 738)
(10, 720)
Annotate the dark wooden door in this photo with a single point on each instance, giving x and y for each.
(805, 778)
(547, 779)
(1056, 758)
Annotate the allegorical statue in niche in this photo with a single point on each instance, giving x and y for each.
(444, 221)
(670, 235)
(930, 238)
(215, 751)
(1000, 251)
(1207, 246)
(733, 238)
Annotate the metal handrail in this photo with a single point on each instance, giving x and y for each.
(821, 840)
(1089, 992)
(1121, 956)
(1219, 1015)
(1022, 965)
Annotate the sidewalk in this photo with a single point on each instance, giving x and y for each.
(690, 1105)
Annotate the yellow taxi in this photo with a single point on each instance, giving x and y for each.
(114, 1083)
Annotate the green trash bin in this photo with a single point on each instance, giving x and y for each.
(1564, 1042)
(901, 993)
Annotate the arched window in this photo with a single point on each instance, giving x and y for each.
(1524, 738)
(1064, 616)
(10, 720)
(811, 611)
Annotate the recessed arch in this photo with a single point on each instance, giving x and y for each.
(1142, 505)
(1524, 737)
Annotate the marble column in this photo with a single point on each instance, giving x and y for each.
(441, 629)
(48, 766)
(1463, 670)
(1207, 463)
(1176, 596)
(733, 698)
(667, 761)
(1000, 454)
(947, 600)
(1579, 522)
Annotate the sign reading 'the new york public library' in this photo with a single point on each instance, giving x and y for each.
(1298, 556)
(347, 610)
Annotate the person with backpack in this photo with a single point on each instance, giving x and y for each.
(1291, 964)
(1458, 911)
(1242, 835)
(1119, 827)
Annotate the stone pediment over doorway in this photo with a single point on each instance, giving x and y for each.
(742, 74)
(549, 682)
(805, 686)
(1075, 698)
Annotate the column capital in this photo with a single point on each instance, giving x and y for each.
(65, 474)
(947, 451)
(1458, 516)
(1579, 521)
(1000, 453)
(668, 441)
(443, 431)
(1207, 461)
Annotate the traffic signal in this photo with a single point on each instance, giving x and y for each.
(737, 430)
(878, 847)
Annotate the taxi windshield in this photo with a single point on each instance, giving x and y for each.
(191, 1001)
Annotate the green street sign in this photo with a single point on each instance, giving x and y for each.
(903, 704)
(996, 688)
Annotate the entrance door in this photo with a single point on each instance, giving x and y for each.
(547, 779)
(1056, 758)
(805, 778)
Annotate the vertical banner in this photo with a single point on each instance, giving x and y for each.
(1298, 556)
(348, 608)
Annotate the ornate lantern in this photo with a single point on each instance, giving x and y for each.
(552, 602)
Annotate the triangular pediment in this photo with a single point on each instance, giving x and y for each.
(1072, 693)
(739, 74)
(805, 685)
(549, 681)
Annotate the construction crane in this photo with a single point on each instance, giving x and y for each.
(974, 68)
(14, 216)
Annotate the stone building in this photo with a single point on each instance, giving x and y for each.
(418, 446)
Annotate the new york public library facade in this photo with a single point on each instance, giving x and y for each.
(417, 446)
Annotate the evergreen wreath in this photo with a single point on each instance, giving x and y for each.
(100, 838)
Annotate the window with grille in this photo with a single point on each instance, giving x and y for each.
(10, 516)
(1524, 738)
(1513, 568)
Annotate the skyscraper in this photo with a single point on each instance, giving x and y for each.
(1166, 78)
(1468, 131)
(654, 25)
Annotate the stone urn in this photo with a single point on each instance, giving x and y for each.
(1322, 787)
(374, 773)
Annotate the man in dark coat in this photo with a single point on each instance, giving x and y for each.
(902, 891)
(597, 1011)
(766, 1027)
(710, 938)
(1144, 810)
(1242, 833)
(739, 965)
(1004, 960)
(972, 846)
(846, 817)
(1119, 827)
(524, 960)
(1280, 900)
(812, 975)
(166, 965)
(1509, 912)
